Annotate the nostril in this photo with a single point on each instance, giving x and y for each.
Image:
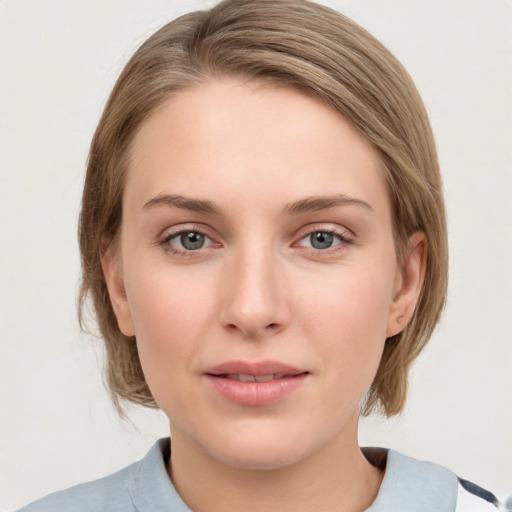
(253, 329)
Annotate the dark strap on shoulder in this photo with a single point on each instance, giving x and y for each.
(479, 491)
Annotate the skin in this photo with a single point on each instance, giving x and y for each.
(258, 290)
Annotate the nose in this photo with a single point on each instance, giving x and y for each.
(254, 303)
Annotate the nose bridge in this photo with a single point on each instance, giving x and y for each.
(254, 303)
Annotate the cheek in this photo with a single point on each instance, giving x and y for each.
(167, 302)
(355, 302)
(161, 312)
(348, 319)
(169, 315)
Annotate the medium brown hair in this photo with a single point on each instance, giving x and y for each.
(291, 43)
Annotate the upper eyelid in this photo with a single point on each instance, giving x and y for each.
(346, 236)
(336, 229)
(170, 236)
(325, 227)
(172, 231)
(343, 237)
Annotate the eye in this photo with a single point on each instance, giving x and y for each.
(186, 241)
(322, 240)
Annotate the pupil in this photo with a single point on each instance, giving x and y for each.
(321, 240)
(192, 240)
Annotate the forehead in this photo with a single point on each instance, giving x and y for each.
(240, 138)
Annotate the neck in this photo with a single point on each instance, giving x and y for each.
(336, 478)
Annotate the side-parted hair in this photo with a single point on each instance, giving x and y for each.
(292, 43)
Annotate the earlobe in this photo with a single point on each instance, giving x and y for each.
(408, 284)
(112, 270)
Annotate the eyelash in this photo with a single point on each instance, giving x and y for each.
(165, 243)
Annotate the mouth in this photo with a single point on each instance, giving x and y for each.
(247, 377)
(260, 371)
(255, 384)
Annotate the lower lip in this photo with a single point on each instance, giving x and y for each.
(256, 394)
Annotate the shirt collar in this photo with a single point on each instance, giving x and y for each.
(411, 484)
(408, 484)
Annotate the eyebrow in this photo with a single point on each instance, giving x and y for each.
(308, 204)
(185, 203)
(317, 203)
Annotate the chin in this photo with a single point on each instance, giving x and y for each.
(259, 459)
(260, 451)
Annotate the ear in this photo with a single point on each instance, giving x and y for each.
(408, 284)
(113, 272)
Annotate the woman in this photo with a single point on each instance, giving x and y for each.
(264, 241)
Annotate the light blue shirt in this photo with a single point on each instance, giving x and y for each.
(409, 485)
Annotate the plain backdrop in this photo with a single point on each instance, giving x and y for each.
(58, 61)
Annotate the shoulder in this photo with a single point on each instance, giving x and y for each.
(411, 484)
(110, 493)
(141, 486)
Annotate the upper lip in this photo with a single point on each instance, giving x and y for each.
(254, 368)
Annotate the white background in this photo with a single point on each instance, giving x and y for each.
(58, 61)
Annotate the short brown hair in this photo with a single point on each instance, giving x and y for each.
(292, 43)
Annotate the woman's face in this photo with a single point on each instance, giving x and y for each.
(257, 271)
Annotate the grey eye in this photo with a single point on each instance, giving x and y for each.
(321, 240)
(192, 240)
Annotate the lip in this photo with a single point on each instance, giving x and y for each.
(286, 379)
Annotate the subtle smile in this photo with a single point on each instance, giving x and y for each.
(255, 384)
